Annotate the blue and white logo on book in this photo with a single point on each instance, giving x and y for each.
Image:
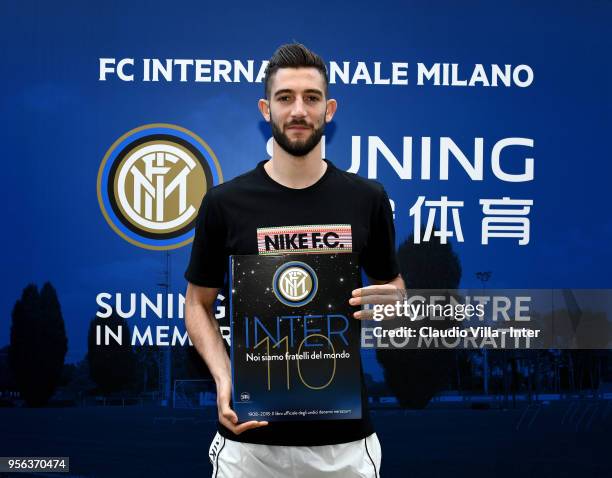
(295, 283)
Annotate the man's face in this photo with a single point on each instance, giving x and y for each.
(298, 109)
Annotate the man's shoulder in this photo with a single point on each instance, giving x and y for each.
(362, 185)
(234, 185)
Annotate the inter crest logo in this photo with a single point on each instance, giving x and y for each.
(151, 183)
(295, 283)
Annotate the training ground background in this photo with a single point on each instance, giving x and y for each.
(569, 438)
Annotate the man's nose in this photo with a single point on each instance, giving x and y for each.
(298, 109)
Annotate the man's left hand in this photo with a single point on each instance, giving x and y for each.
(382, 294)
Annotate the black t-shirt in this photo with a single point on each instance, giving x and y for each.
(252, 214)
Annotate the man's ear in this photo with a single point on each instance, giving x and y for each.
(264, 108)
(332, 106)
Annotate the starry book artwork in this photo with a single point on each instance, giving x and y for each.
(295, 344)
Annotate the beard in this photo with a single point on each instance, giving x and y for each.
(297, 147)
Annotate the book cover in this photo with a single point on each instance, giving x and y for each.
(295, 346)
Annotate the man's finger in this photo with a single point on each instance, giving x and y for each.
(238, 429)
(228, 413)
(375, 290)
(248, 426)
(366, 314)
(374, 299)
(223, 420)
(230, 416)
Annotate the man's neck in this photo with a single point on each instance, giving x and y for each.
(295, 172)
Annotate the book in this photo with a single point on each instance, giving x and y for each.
(295, 350)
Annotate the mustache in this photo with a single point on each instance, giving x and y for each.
(298, 123)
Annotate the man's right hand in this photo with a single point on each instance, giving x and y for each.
(203, 330)
(227, 416)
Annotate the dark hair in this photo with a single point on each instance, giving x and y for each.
(294, 55)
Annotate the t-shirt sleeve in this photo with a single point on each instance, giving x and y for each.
(208, 262)
(379, 260)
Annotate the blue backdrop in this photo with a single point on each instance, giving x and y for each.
(59, 119)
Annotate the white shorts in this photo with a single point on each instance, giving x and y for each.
(232, 459)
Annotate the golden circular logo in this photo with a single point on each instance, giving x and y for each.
(295, 283)
(151, 183)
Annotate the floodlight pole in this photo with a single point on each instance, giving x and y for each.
(166, 359)
(483, 277)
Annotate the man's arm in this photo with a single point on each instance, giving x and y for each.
(203, 330)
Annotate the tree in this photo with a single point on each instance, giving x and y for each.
(147, 367)
(38, 344)
(414, 376)
(188, 365)
(429, 265)
(79, 384)
(112, 366)
(6, 377)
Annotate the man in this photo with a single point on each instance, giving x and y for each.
(297, 187)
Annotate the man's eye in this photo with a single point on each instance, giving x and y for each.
(312, 99)
(283, 98)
